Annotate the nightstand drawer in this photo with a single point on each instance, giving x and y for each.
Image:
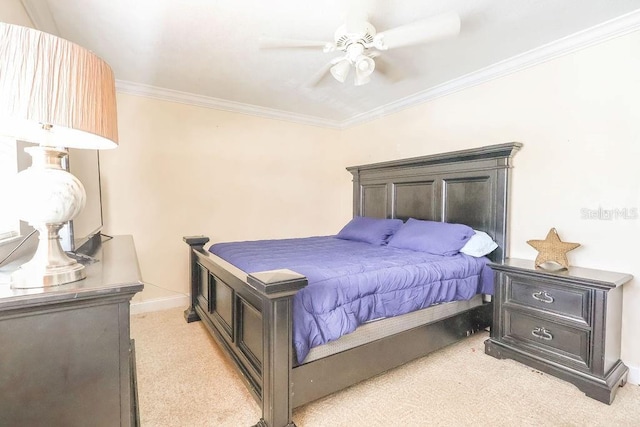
(557, 299)
(565, 323)
(562, 343)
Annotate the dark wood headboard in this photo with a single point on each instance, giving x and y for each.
(469, 187)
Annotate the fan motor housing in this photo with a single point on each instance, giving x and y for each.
(343, 38)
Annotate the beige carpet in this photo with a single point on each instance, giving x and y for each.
(184, 380)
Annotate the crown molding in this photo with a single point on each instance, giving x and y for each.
(38, 11)
(622, 25)
(170, 95)
(616, 27)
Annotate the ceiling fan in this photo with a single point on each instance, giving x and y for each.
(360, 43)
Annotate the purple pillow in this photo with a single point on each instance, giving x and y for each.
(370, 230)
(438, 238)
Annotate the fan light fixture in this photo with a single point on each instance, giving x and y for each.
(355, 58)
(364, 67)
(340, 71)
(360, 42)
(56, 94)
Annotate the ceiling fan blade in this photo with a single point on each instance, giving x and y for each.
(389, 71)
(357, 17)
(320, 74)
(426, 30)
(276, 43)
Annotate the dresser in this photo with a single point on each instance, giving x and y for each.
(565, 323)
(66, 356)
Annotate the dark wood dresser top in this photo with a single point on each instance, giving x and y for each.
(115, 271)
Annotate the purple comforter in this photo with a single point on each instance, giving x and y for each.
(351, 283)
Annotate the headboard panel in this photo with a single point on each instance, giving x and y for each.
(469, 187)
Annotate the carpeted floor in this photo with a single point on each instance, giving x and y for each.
(184, 380)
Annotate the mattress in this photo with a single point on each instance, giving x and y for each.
(351, 283)
(382, 328)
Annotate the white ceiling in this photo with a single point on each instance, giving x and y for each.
(206, 51)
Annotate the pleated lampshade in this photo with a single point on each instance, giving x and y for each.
(54, 92)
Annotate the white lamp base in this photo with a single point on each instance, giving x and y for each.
(51, 196)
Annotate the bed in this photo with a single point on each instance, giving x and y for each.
(250, 315)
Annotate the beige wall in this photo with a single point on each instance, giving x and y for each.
(12, 12)
(578, 116)
(185, 170)
(579, 119)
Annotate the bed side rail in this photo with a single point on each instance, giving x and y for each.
(250, 317)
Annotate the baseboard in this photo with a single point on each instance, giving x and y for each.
(159, 304)
(634, 375)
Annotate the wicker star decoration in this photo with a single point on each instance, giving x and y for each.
(552, 249)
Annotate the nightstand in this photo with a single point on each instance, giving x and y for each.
(565, 323)
(66, 355)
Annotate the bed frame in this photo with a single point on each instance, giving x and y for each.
(250, 315)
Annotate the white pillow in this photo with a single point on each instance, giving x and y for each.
(479, 245)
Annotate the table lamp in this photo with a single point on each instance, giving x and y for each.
(58, 95)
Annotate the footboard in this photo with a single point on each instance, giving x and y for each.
(250, 317)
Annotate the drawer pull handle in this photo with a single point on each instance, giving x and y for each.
(542, 296)
(542, 333)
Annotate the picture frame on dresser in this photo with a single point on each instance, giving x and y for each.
(566, 323)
